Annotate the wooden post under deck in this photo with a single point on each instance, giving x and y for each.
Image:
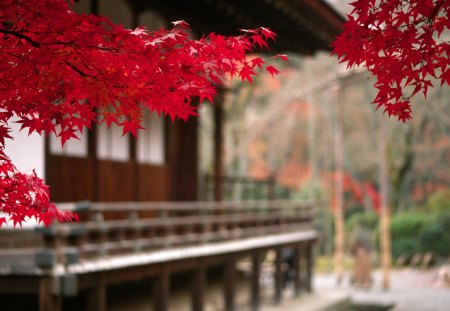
(161, 290)
(255, 289)
(229, 284)
(309, 267)
(296, 268)
(198, 287)
(278, 275)
(48, 301)
(96, 299)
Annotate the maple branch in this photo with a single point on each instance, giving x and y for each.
(21, 36)
(77, 70)
(436, 10)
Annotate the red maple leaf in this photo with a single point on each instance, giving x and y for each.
(61, 71)
(272, 70)
(130, 127)
(396, 42)
(246, 73)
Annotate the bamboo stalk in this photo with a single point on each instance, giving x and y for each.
(339, 195)
(385, 241)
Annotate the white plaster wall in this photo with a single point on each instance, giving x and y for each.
(111, 145)
(150, 145)
(73, 147)
(26, 152)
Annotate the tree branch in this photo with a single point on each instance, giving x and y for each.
(21, 36)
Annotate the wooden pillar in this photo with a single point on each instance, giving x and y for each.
(92, 134)
(255, 288)
(182, 155)
(309, 267)
(278, 275)
(96, 297)
(198, 288)
(297, 272)
(94, 7)
(218, 150)
(47, 300)
(161, 290)
(229, 284)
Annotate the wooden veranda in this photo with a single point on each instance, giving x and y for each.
(125, 242)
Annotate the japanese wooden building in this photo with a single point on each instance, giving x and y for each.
(162, 165)
(122, 236)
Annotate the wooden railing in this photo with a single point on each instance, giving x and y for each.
(243, 188)
(121, 242)
(111, 229)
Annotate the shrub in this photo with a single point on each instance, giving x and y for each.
(439, 202)
(362, 228)
(406, 229)
(366, 220)
(435, 237)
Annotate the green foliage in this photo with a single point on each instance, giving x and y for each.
(366, 220)
(354, 209)
(324, 223)
(406, 229)
(435, 237)
(361, 229)
(439, 202)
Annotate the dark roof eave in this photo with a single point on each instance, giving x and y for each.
(303, 26)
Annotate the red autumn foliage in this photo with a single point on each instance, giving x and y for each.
(403, 44)
(61, 72)
(357, 190)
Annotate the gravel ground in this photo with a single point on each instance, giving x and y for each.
(411, 290)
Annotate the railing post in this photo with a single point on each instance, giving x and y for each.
(255, 288)
(47, 259)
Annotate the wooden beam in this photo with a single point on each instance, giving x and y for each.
(255, 288)
(15, 284)
(219, 248)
